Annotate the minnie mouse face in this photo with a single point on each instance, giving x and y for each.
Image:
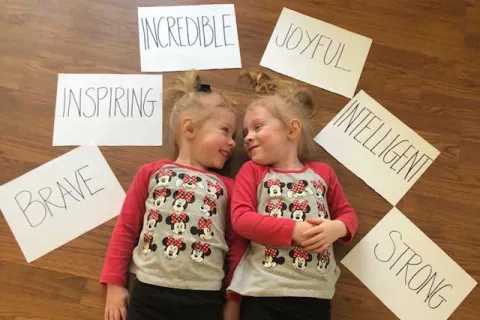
(271, 258)
(299, 210)
(204, 230)
(319, 189)
(274, 187)
(322, 211)
(209, 207)
(323, 261)
(200, 250)
(148, 245)
(188, 181)
(164, 176)
(275, 209)
(160, 196)
(214, 189)
(173, 247)
(301, 258)
(178, 222)
(153, 218)
(182, 199)
(298, 190)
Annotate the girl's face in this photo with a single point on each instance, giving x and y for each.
(214, 143)
(266, 137)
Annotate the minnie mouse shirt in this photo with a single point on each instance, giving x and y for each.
(175, 220)
(266, 204)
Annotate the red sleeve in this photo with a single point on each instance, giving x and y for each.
(127, 229)
(237, 246)
(246, 221)
(339, 207)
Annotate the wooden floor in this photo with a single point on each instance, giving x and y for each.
(424, 66)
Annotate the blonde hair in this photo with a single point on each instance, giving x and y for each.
(298, 104)
(185, 99)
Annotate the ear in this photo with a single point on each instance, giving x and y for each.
(188, 128)
(294, 129)
(290, 253)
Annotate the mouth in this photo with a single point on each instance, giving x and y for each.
(250, 149)
(225, 153)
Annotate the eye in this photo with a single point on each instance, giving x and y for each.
(225, 130)
(258, 127)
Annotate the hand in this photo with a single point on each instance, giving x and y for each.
(323, 234)
(231, 311)
(116, 303)
(299, 230)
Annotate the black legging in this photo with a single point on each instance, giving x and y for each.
(284, 308)
(149, 302)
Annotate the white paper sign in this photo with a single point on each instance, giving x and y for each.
(108, 109)
(316, 52)
(377, 147)
(409, 273)
(188, 37)
(59, 201)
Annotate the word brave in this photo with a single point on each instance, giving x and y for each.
(296, 39)
(35, 210)
(418, 277)
(203, 31)
(371, 132)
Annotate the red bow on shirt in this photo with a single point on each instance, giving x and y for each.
(190, 179)
(300, 206)
(298, 187)
(300, 253)
(165, 172)
(184, 195)
(216, 185)
(318, 185)
(147, 237)
(209, 202)
(325, 255)
(271, 206)
(172, 242)
(153, 215)
(204, 247)
(272, 182)
(204, 223)
(320, 206)
(270, 252)
(160, 193)
(178, 218)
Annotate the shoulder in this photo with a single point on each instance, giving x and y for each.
(251, 167)
(149, 168)
(321, 168)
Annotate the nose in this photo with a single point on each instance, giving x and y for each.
(232, 143)
(248, 138)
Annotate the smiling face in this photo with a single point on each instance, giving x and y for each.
(266, 138)
(214, 141)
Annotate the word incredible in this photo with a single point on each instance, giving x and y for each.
(112, 102)
(374, 135)
(202, 31)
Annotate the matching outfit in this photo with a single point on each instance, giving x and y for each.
(266, 204)
(175, 220)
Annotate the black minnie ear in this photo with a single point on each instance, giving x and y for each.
(203, 88)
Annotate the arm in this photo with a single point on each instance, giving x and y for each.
(246, 221)
(126, 231)
(340, 208)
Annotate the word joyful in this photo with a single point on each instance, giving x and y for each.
(298, 38)
(202, 31)
(98, 102)
(374, 135)
(35, 210)
(419, 276)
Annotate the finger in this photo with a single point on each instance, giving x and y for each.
(106, 315)
(123, 313)
(117, 314)
(315, 221)
(314, 239)
(313, 231)
(316, 247)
